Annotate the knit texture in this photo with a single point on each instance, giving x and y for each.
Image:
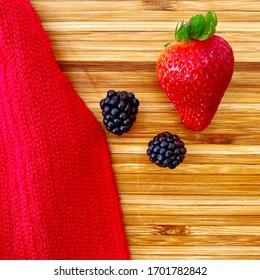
(58, 194)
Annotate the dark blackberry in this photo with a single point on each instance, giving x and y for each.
(166, 150)
(119, 111)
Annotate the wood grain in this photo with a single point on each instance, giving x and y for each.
(208, 207)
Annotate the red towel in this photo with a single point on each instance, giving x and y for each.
(58, 195)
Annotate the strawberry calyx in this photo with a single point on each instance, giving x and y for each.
(199, 27)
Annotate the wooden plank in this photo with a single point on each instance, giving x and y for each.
(189, 169)
(139, 26)
(206, 185)
(146, 15)
(168, 210)
(194, 257)
(151, 36)
(197, 250)
(137, 5)
(186, 186)
(238, 222)
(190, 200)
(200, 240)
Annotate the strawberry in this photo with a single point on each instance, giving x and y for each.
(196, 70)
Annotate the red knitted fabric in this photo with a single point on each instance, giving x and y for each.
(58, 195)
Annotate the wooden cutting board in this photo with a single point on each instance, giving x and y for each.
(209, 206)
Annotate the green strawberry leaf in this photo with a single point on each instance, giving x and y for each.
(167, 44)
(199, 27)
(179, 31)
(210, 29)
(211, 17)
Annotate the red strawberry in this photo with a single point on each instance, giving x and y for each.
(195, 71)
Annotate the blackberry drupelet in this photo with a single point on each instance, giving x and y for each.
(119, 111)
(166, 150)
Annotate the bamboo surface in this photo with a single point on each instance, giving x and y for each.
(209, 206)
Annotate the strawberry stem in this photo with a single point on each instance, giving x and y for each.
(199, 27)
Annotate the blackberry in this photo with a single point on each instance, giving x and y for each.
(166, 150)
(119, 111)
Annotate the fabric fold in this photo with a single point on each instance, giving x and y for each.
(58, 198)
